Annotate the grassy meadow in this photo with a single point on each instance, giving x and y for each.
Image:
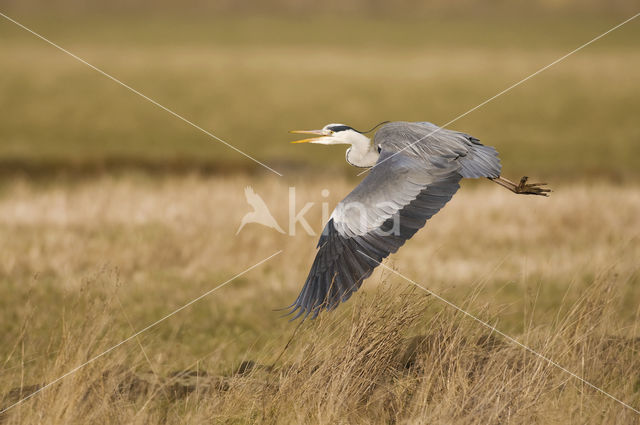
(250, 81)
(84, 267)
(113, 214)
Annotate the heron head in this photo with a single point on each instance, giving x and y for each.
(330, 134)
(361, 153)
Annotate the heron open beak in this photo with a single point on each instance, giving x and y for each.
(320, 133)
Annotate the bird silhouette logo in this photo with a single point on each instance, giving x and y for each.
(260, 213)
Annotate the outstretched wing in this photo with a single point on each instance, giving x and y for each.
(415, 176)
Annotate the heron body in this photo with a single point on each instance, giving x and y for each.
(416, 169)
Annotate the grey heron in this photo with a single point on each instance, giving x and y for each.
(416, 169)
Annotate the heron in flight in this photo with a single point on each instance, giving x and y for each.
(416, 167)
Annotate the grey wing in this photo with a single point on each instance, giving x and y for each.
(438, 145)
(417, 173)
(383, 211)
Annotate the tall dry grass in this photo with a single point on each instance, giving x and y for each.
(394, 358)
(84, 266)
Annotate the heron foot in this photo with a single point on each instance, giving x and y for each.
(524, 188)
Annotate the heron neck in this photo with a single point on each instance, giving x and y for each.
(361, 153)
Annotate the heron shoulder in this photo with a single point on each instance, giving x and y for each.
(400, 135)
(404, 130)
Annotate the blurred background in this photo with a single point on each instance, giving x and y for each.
(114, 213)
(251, 71)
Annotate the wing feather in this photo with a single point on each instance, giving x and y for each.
(417, 173)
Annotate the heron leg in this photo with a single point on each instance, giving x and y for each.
(522, 188)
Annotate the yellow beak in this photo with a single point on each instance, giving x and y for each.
(320, 133)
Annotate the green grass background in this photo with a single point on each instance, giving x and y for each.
(250, 78)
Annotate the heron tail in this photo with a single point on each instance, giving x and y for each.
(482, 161)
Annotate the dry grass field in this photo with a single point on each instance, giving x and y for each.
(85, 266)
(114, 214)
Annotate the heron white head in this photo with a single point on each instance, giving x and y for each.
(361, 153)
